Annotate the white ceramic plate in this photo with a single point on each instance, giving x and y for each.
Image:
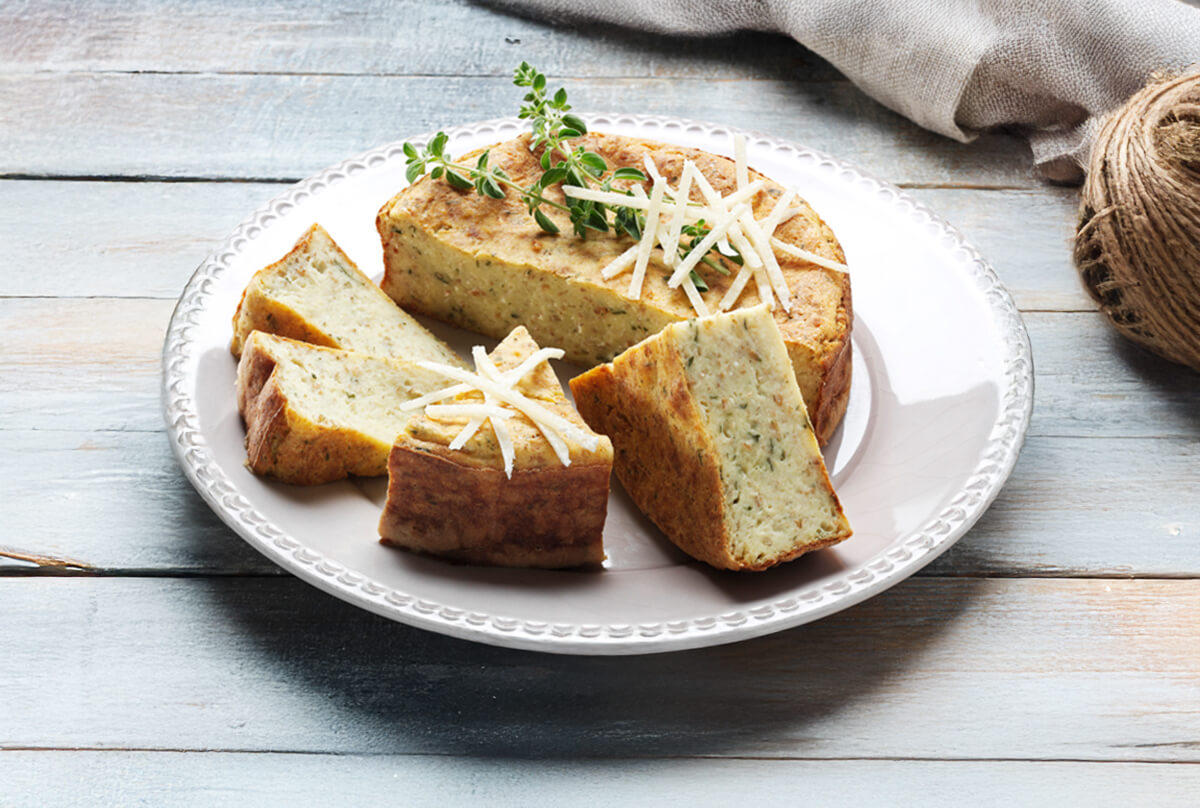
(940, 401)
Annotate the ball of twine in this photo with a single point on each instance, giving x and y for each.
(1138, 242)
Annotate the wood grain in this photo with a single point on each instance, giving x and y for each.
(1073, 507)
(205, 778)
(373, 37)
(288, 126)
(93, 364)
(145, 239)
(934, 668)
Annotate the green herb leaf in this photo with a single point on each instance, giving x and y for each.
(573, 121)
(415, 170)
(410, 151)
(458, 181)
(593, 163)
(699, 283)
(626, 173)
(545, 222)
(437, 146)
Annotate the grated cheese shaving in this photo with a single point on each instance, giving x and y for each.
(741, 171)
(498, 388)
(774, 274)
(810, 257)
(718, 231)
(733, 231)
(621, 263)
(649, 233)
(671, 245)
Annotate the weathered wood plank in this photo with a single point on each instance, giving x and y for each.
(137, 239)
(273, 126)
(935, 668)
(1025, 234)
(144, 239)
(1073, 507)
(57, 778)
(81, 364)
(93, 364)
(410, 37)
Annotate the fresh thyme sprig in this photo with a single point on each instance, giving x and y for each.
(553, 125)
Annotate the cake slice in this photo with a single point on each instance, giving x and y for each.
(713, 441)
(460, 504)
(485, 265)
(316, 414)
(316, 294)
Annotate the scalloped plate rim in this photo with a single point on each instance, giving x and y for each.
(904, 556)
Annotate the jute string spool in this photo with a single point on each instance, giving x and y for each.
(1138, 242)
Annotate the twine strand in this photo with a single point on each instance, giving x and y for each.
(1137, 245)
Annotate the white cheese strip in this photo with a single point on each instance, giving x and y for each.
(468, 432)
(496, 385)
(619, 264)
(471, 409)
(671, 245)
(693, 258)
(735, 289)
(511, 377)
(811, 257)
(762, 243)
(714, 200)
(531, 409)
(652, 170)
(764, 287)
(750, 254)
(780, 213)
(506, 445)
(437, 395)
(692, 211)
(742, 195)
(649, 232)
(741, 171)
(693, 296)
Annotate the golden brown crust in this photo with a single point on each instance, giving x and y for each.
(460, 504)
(257, 313)
(484, 265)
(828, 406)
(284, 445)
(547, 517)
(656, 456)
(651, 402)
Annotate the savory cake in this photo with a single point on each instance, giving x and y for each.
(713, 441)
(317, 414)
(316, 294)
(485, 265)
(460, 504)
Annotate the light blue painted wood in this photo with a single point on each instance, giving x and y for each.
(93, 364)
(287, 126)
(1073, 507)
(205, 779)
(145, 239)
(373, 37)
(934, 668)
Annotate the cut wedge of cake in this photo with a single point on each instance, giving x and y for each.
(485, 265)
(713, 441)
(316, 414)
(316, 294)
(461, 504)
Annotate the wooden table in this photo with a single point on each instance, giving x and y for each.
(149, 656)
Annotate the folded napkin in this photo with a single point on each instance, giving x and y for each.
(1048, 68)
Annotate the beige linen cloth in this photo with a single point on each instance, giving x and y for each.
(1048, 68)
